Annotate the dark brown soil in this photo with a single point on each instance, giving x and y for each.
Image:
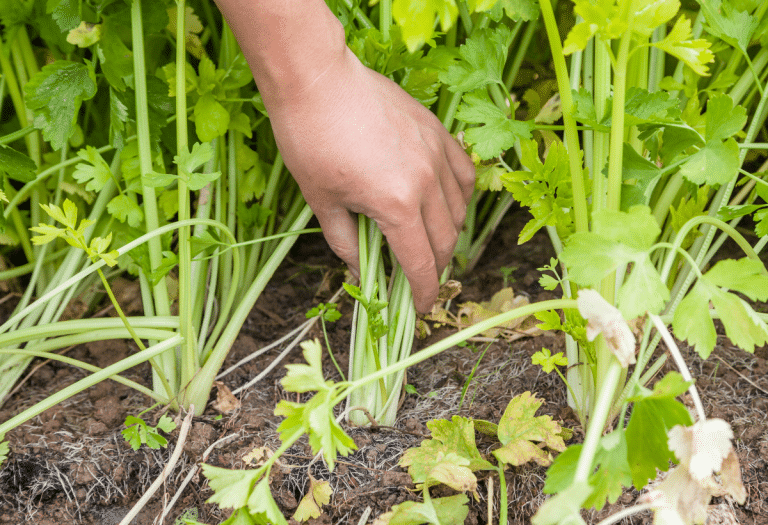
(71, 464)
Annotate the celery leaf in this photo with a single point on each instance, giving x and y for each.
(55, 95)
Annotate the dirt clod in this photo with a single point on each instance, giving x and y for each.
(109, 411)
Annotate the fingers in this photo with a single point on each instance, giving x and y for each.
(413, 251)
(340, 231)
(461, 165)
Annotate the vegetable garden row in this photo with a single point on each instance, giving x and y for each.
(134, 142)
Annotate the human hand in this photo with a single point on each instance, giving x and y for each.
(357, 143)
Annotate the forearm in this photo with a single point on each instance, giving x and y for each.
(288, 43)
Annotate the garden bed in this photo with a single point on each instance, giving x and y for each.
(71, 464)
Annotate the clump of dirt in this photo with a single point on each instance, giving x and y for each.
(71, 465)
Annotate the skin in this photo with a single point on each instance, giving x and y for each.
(354, 140)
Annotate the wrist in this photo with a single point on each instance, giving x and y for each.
(288, 44)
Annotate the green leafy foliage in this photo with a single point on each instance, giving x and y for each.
(718, 161)
(610, 472)
(73, 233)
(329, 311)
(315, 417)
(94, 172)
(545, 189)
(231, 488)
(728, 23)
(547, 361)
(448, 437)
(653, 414)
(417, 19)
(694, 53)
(482, 61)
(16, 165)
(496, 131)
(692, 320)
(619, 238)
(449, 510)
(55, 94)
(138, 432)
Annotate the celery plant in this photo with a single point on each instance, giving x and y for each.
(211, 220)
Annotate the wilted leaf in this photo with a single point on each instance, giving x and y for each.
(603, 317)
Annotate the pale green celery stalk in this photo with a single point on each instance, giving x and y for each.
(159, 298)
(85, 366)
(268, 200)
(588, 81)
(657, 60)
(747, 80)
(76, 326)
(6, 69)
(54, 302)
(89, 381)
(364, 355)
(637, 76)
(24, 269)
(578, 376)
(598, 417)
(64, 341)
(522, 49)
(24, 58)
(571, 133)
(200, 266)
(190, 361)
(385, 15)
(14, 135)
(199, 390)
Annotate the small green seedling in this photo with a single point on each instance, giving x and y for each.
(327, 312)
(139, 433)
(506, 275)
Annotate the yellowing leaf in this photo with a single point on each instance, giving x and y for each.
(502, 301)
(319, 494)
(192, 30)
(417, 19)
(695, 53)
(47, 233)
(519, 428)
(84, 35)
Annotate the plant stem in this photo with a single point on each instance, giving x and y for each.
(89, 381)
(160, 298)
(571, 134)
(598, 418)
(189, 357)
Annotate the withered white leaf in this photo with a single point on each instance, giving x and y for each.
(603, 317)
(702, 447)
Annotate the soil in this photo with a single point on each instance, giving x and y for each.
(71, 464)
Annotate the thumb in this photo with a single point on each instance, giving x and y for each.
(340, 231)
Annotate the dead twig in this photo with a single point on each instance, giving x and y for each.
(166, 471)
(745, 378)
(192, 473)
